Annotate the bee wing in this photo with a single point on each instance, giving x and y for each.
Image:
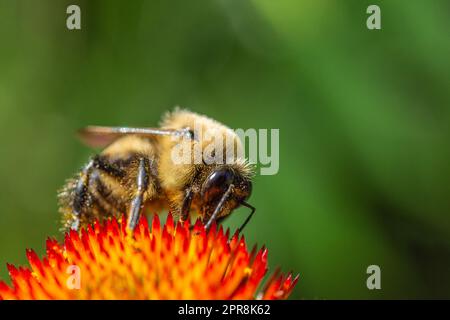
(97, 137)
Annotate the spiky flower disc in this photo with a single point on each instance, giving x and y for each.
(170, 262)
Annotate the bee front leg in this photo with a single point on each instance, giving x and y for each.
(142, 183)
(219, 207)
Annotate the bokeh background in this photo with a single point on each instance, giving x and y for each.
(363, 116)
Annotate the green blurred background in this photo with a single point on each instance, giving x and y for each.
(363, 116)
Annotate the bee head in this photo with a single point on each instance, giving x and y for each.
(221, 182)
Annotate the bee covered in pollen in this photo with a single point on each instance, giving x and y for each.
(135, 173)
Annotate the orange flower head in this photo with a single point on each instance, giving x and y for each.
(171, 262)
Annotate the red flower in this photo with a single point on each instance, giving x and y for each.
(173, 262)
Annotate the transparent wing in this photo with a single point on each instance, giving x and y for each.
(97, 136)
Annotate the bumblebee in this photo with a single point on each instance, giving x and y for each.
(136, 174)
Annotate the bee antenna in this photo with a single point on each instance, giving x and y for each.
(245, 204)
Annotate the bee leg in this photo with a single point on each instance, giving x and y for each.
(142, 181)
(186, 206)
(219, 207)
(245, 204)
(82, 196)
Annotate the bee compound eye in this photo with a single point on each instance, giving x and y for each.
(217, 183)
